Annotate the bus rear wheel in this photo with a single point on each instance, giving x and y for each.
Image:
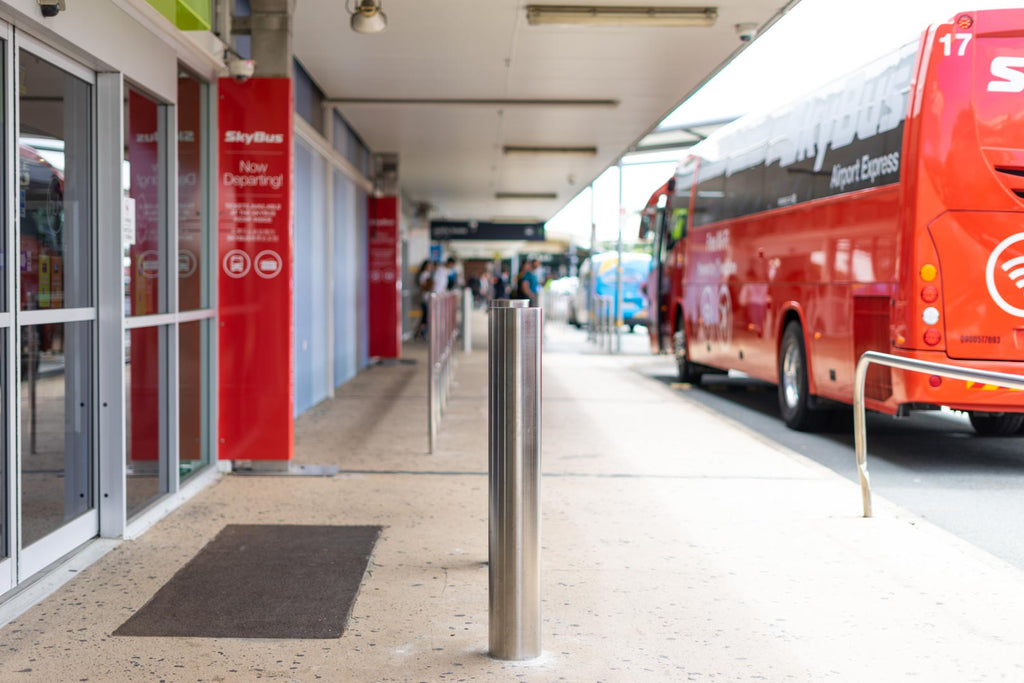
(688, 372)
(996, 424)
(794, 392)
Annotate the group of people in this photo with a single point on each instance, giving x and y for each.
(526, 286)
(436, 278)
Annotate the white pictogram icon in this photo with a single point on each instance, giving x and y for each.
(187, 263)
(268, 264)
(236, 264)
(1011, 269)
(149, 264)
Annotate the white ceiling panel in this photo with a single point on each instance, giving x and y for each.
(450, 154)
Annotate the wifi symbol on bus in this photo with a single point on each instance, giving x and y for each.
(1014, 268)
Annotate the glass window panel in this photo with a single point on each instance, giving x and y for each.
(192, 289)
(4, 524)
(145, 388)
(193, 369)
(54, 175)
(56, 426)
(144, 246)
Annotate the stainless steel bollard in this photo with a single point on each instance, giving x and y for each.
(607, 324)
(432, 370)
(467, 320)
(514, 430)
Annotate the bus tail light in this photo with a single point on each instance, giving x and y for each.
(930, 294)
(935, 381)
(932, 336)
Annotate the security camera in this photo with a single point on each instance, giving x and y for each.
(241, 69)
(746, 32)
(50, 8)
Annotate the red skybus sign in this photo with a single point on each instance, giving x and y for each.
(385, 279)
(255, 269)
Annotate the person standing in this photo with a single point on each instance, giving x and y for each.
(424, 279)
(440, 278)
(499, 289)
(528, 284)
(453, 274)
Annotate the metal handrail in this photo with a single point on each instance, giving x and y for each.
(1002, 379)
(442, 332)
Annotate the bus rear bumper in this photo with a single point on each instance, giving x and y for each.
(909, 388)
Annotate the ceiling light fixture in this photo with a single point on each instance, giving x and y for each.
(618, 15)
(528, 149)
(368, 17)
(526, 195)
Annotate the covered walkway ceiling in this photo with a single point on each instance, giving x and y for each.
(470, 95)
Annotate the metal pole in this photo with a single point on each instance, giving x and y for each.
(467, 314)
(860, 434)
(514, 432)
(618, 270)
(432, 336)
(592, 285)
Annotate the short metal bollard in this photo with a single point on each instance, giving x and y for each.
(514, 432)
(467, 320)
(609, 324)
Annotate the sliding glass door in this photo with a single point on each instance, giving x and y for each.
(55, 312)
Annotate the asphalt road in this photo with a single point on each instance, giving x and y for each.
(930, 463)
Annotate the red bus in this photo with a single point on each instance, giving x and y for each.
(883, 212)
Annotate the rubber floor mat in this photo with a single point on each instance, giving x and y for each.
(262, 581)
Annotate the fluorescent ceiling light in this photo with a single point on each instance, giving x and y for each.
(526, 195)
(618, 15)
(528, 149)
(516, 220)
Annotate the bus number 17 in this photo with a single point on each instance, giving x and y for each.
(947, 44)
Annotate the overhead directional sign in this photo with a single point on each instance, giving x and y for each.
(483, 230)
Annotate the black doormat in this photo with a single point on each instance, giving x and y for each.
(262, 581)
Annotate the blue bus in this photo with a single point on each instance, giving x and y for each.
(598, 274)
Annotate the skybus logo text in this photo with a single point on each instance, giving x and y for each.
(1009, 79)
(260, 136)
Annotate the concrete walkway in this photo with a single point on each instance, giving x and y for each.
(677, 546)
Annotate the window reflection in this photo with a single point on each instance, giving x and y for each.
(54, 170)
(191, 294)
(193, 344)
(143, 242)
(144, 263)
(56, 472)
(144, 388)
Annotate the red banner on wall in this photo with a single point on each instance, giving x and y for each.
(385, 281)
(255, 294)
(144, 279)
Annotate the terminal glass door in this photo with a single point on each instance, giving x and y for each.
(7, 573)
(56, 312)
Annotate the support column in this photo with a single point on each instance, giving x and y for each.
(270, 27)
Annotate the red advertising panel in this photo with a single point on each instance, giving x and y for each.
(144, 279)
(255, 236)
(385, 283)
(191, 265)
